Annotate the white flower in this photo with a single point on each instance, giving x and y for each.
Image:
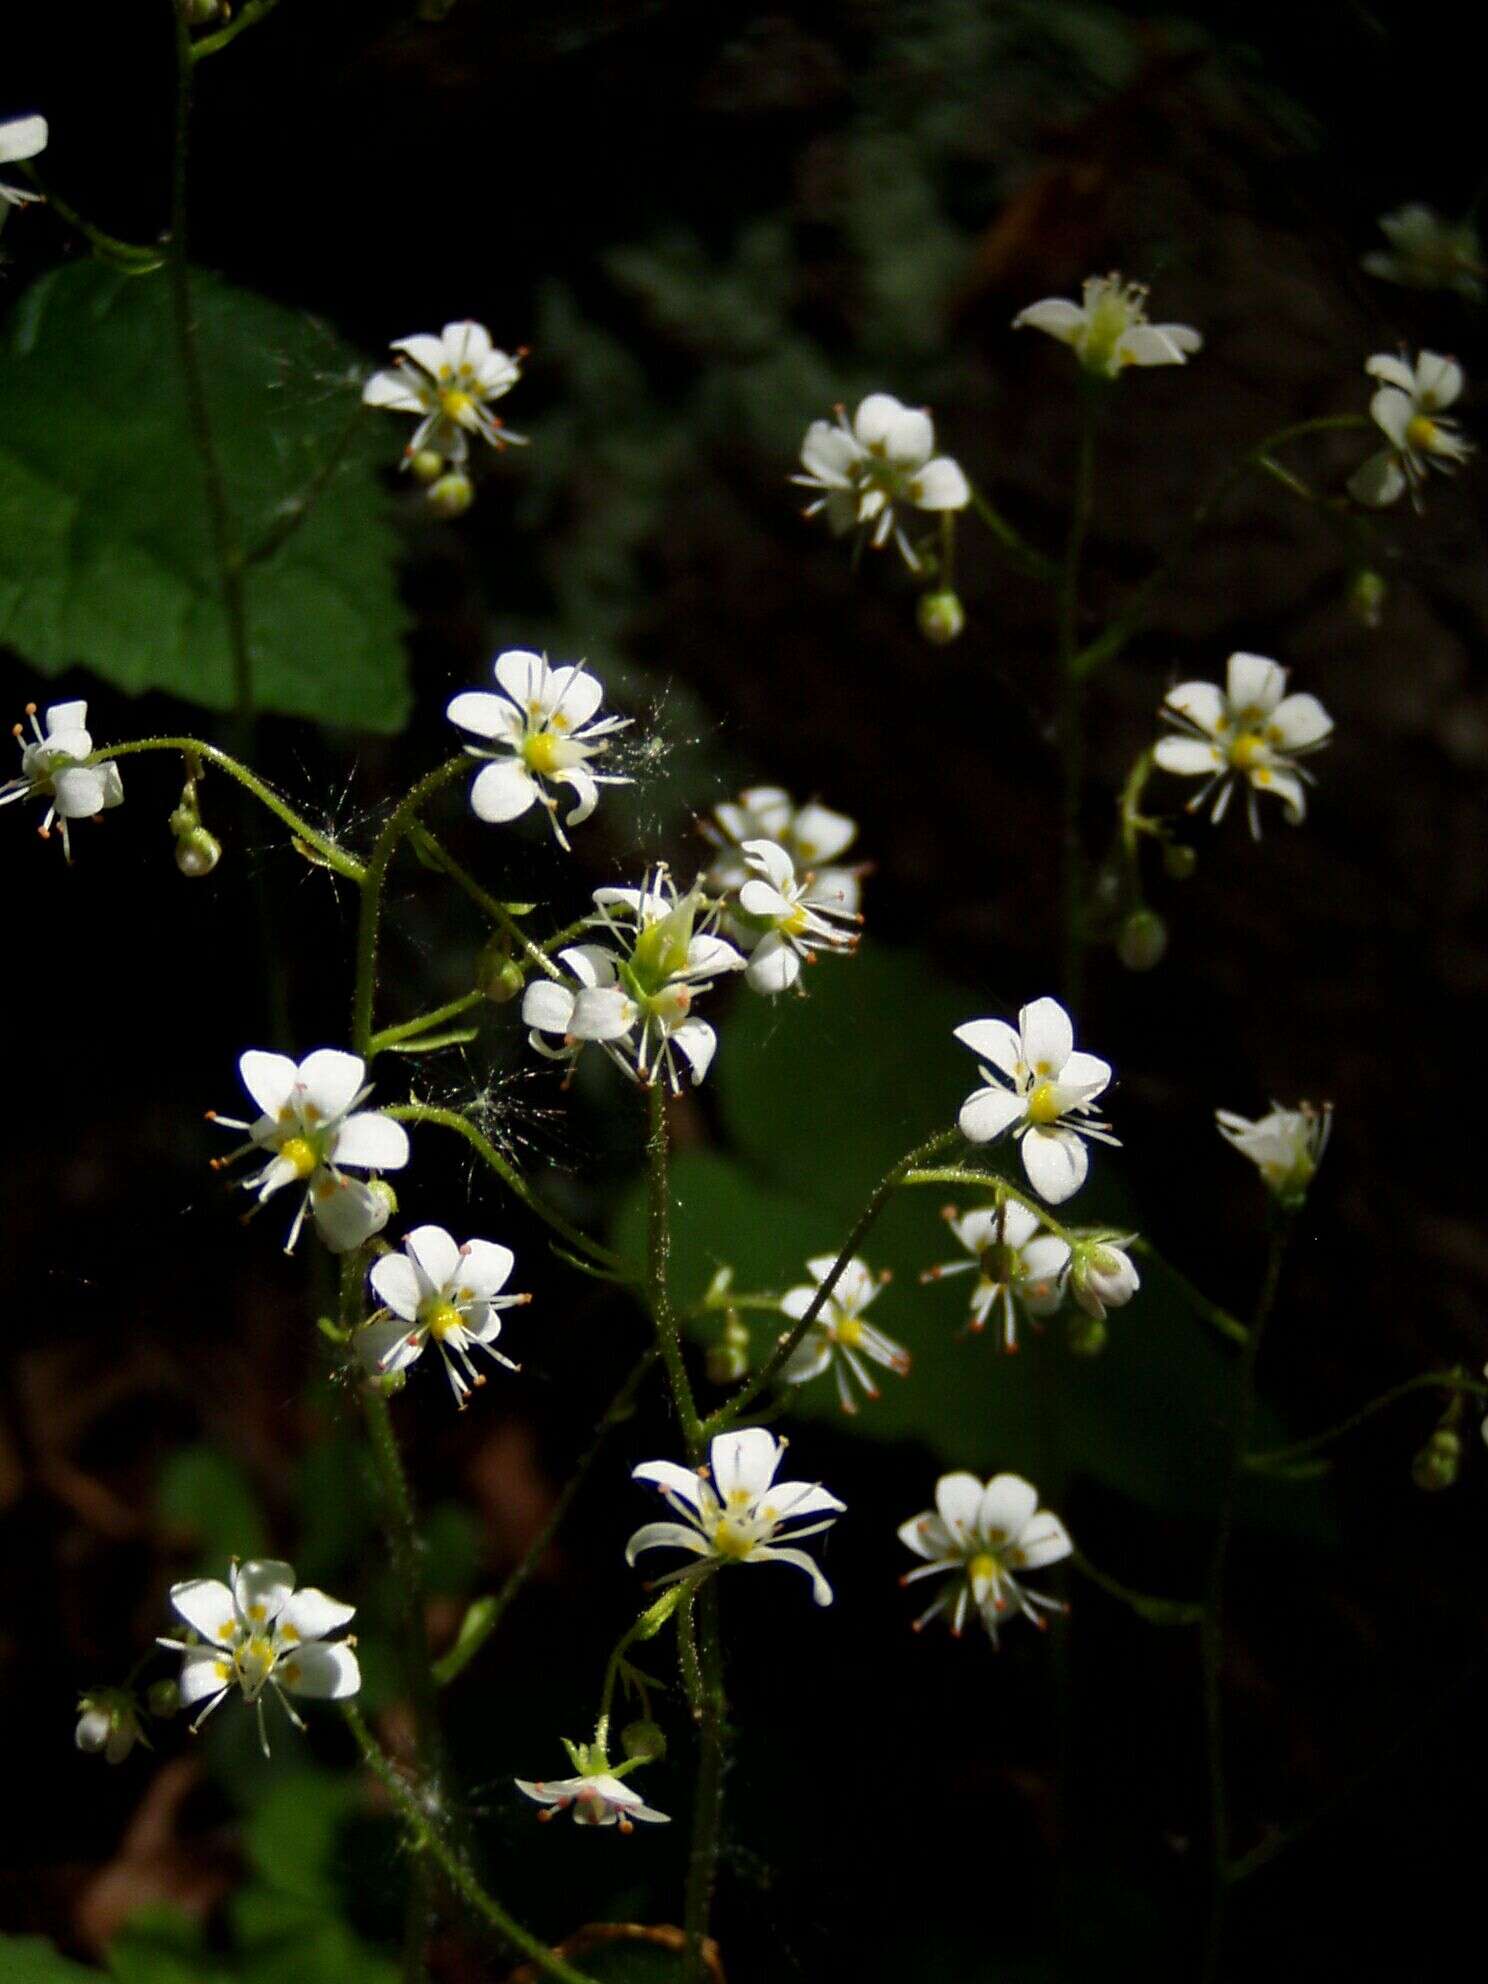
(1041, 1090)
(1249, 732)
(52, 768)
(786, 921)
(1108, 329)
(733, 1517)
(636, 999)
(1427, 252)
(20, 137)
(450, 381)
(437, 1289)
(881, 463)
(1017, 1265)
(1286, 1146)
(545, 729)
(596, 1796)
(839, 1336)
(309, 1127)
(108, 1724)
(1407, 409)
(811, 835)
(258, 1632)
(988, 1537)
(1103, 1275)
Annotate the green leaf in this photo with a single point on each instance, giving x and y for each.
(206, 1498)
(291, 1835)
(106, 550)
(32, 1960)
(162, 1945)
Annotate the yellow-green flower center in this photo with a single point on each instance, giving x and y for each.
(1421, 433)
(1044, 1105)
(1248, 750)
(439, 1318)
(301, 1153)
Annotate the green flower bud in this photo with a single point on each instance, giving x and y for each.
(1437, 1465)
(163, 1698)
(198, 852)
(644, 1741)
(1086, 1335)
(426, 465)
(381, 1189)
(498, 974)
(728, 1358)
(201, 13)
(108, 1723)
(1367, 594)
(452, 495)
(1142, 940)
(1179, 859)
(941, 616)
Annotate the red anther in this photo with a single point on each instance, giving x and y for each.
(546, 1813)
(885, 1274)
(18, 730)
(30, 709)
(625, 1824)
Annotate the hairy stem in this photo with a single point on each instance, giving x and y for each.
(433, 850)
(1456, 1382)
(393, 1036)
(1071, 717)
(369, 924)
(707, 1804)
(658, 1269)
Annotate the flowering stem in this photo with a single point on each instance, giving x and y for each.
(1456, 1382)
(1209, 1312)
(326, 850)
(1017, 547)
(426, 1837)
(1156, 1611)
(485, 1614)
(658, 1264)
(507, 1172)
(883, 1191)
(707, 1808)
(498, 912)
(391, 1036)
(1211, 1630)
(130, 256)
(1071, 719)
(955, 1174)
(209, 44)
(646, 1627)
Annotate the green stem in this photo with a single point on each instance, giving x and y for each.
(1219, 1320)
(1211, 1631)
(658, 1268)
(751, 1389)
(210, 44)
(646, 1627)
(485, 1614)
(498, 912)
(390, 1036)
(1156, 1611)
(1134, 822)
(1448, 1381)
(398, 823)
(707, 1807)
(425, 1837)
(332, 856)
(1071, 718)
(129, 256)
(959, 1174)
(1016, 546)
(507, 1172)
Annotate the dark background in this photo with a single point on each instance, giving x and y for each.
(710, 223)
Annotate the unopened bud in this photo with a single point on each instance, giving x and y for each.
(452, 495)
(1086, 1335)
(1179, 859)
(426, 465)
(1102, 1276)
(942, 617)
(1367, 594)
(201, 13)
(1436, 1466)
(108, 1723)
(644, 1740)
(1142, 941)
(163, 1698)
(728, 1358)
(198, 852)
(498, 974)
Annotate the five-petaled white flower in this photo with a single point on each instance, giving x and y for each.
(438, 1289)
(311, 1133)
(1250, 732)
(1427, 252)
(733, 1517)
(258, 1632)
(20, 138)
(52, 769)
(545, 730)
(1286, 1146)
(839, 1336)
(636, 1000)
(450, 382)
(811, 835)
(1407, 408)
(1041, 1090)
(1108, 329)
(786, 921)
(1017, 1265)
(879, 464)
(596, 1797)
(988, 1536)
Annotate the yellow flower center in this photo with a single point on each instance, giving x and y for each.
(544, 753)
(1044, 1105)
(984, 1565)
(1421, 433)
(1248, 750)
(797, 922)
(454, 404)
(301, 1153)
(730, 1540)
(440, 1319)
(850, 1332)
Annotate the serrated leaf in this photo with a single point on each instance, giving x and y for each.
(106, 548)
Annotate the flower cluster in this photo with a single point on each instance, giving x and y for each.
(1249, 733)
(872, 469)
(838, 1337)
(54, 767)
(1108, 329)
(1408, 408)
(987, 1538)
(1039, 1089)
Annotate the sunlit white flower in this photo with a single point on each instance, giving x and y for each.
(1250, 732)
(786, 921)
(1286, 1146)
(1041, 1090)
(548, 1003)
(20, 138)
(1427, 252)
(871, 469)
(545, 730)
(733, 1516)
(1017, 1266)
(1102, 1274)
(1407, 408)
(812, 835)
(444, 1292)
(596, 1797)
(52, 769)
(988, 1538)
(839, 1336)
(450, 382)
(258, 1632)
(312, 1130)
(108, 1724)
(1108, 329)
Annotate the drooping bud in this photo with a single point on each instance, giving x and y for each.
(197, 853)
(498, 974)
(452, 495)
(201, 13)
(1179, 859)
(643, 1742)
(1101, 1276)
(426, 465)
(1437, 1465)
(728, 1358)
(941, 617)
(1142, 941)
(1367, 594)
(1086, 1335)
(163, 1698)
(108, 1723)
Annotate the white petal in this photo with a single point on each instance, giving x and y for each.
(22, 137)
(525, 678)
(1056, 1162)
(1148, 344)
(1438, 381)
(680, 1481)
(432, 1250)
(958, 1496)
(1378, 482)
(994, 1041)
(708, 955)
(261, 1588)
(321, 1673)
(575, 695)
(347, 1213)
(331, 1081)
(987, 1112)
(774, 967)
(1394, 371)
(763, 899)
(202, 1675)
(941, 485)
(1288, 788)
(268, 1078)
(591, 964)
(425, 350)
(485, 1267)
(485, 715)
(78, 791)
(547, 1006)
(810, 1357)
(372, 1142)
(1299, 721)
(207, 1605)
(467, 343)
(1188, 757)
(767, 1553)
(312, 1614)
(876, 418)
(1044, 1541)
(392, 389)
(1047, 1035)
(396, 1283)
(745, 1460)
(666, 1536)
(502, 792)
(769, 859)
(391, 1345)
(817, 833)
(1254, 683)
(697, 1041)
(1056, 315)
(1006, 1506)
(1087, 1073)
(829, 453)
(602, 1012)
(1203, 703)
(925, 1535)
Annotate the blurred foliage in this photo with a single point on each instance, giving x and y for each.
(106, 547)
(205, 1499)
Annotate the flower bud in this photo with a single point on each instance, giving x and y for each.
(382, 1190)
(426, 465)
(1367, 594)
(942, 617)
(1101, 1276)
(728, 1358)
(1436, 1466)
(1086, 1335)
(452, 495)
(108, 1722)
(1179, 859)
(198, 852)
(201, 13)
(1142, 940)
(163, 1698)
(498, 974)
(644, 1740)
